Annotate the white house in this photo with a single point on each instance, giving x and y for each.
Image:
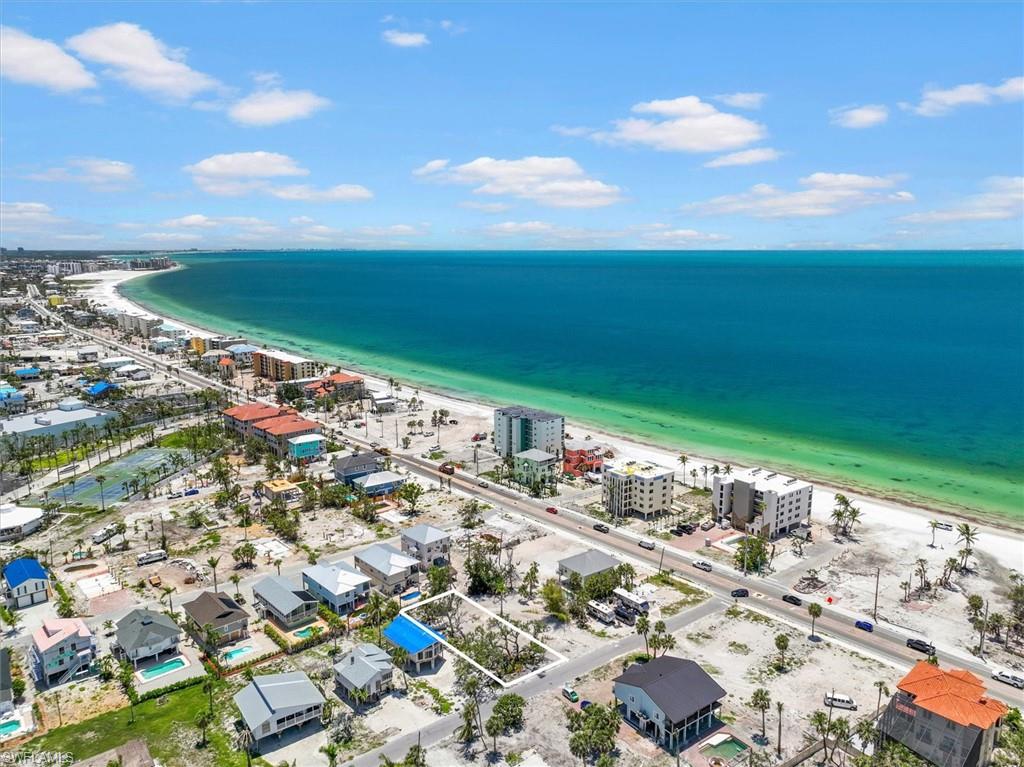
(366, 668)
(391, 571)
(524, 428)
(339, 586)
(273, 703)
(26, 583)
(427, 544)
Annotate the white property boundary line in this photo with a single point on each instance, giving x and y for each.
(559, 658)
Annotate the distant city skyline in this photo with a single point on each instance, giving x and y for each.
(698, 126)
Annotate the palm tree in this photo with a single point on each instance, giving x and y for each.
(934, 525)
(167, 591)
(761, 700)
(968, 535)
(208, 688)
(235, 580)
(400, 656)
(212, 563)
(883, 689)
(814, 610)
(643, 628)
(704, 469)
(821, 723)
(100, 479)
(331, 752)
(866, 731)
(277, 564)
(360, 696)
(376, 609)
(693, 476)
(203, 721)
(245, 743)
(782, 644)
(778, 741)
(682, 460)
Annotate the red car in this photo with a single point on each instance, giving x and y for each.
(551, 510)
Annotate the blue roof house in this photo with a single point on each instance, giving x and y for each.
(26, 583)
(422, 645)
(26, 374)
(100, 389)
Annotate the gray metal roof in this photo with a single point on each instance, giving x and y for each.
(339, 578)
(262, 698)
(521, 411)
(533, 454)
(589, 562)
(385, 559)
(142, 628)
(281, 594)
(363, 665)
(5, 673)
(425, 534)
(357, 460)
(679, 687)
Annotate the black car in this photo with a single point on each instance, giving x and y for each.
(792, 600)
(676, 530)
(740, 593)
(625, 615)
(921, 646)
(601, 528)
(687, 529)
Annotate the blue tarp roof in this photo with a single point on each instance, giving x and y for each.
(28, 372)
(21, 570)
(99, 387)
(409, 635)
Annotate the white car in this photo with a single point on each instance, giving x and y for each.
(837, 700)
(1011, 679)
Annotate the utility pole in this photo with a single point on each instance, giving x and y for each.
(984, 629)
(874, 612)
(662, 560)
(396, 432)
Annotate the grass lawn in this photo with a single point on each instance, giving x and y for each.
(167, 728)
(691, 594)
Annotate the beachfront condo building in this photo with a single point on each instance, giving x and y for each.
(762, 502)
(281, 366)
(636, 488)
(517, 429)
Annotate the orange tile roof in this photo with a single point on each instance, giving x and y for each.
(342, 378)
(252, 411)
(285, 424)
(956, 695)
(226, 361)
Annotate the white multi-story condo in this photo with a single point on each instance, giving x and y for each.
(637, 488)
(517, 429)
(762, 502)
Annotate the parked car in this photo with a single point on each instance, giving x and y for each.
(943, 526)
(570, 694)
(453, 422)
(867, 626)
(702, 565)
(551, 510)
(688, 529)
(481, 483)
(1011, 679)
(192, 491)
(625, 615)
(838, 700)
(649, 545)
(707, 525)
(174, 495)
(740, 593)
(585, 704)
(792, 599)
(676, 530)
(921, 645)
(601, 527)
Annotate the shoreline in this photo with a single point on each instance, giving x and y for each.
(885, 510)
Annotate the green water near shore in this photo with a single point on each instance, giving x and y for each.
(953, 444)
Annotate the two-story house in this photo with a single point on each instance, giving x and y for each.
(426, 544)
(26, 583)
(367, 668)
(339, 586)
(390, 571)
(62, 648)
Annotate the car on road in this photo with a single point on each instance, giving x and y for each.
(192, 491)
(867, 626)
(792, 599)
(1006, 677)
(570, 694)
(174, 495)
(551, 510)
(921, 645)
(739, 593)
(601, 527)
(702, 565)
(838, 700)
(649, 545)
(481, 483)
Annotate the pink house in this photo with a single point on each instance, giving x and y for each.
(61, 648)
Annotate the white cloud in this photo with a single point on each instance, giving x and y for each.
(271, 107)
(339, 193)
(573, 131)
(431, 167)
(669, 237)
(936, 101)
(79, 237)
(519, 227)
(744, 157)
(192, 221)
(405, 39)
(866, 116)
(395, 230)
(95, 172)
(239, 173)
(1002, 199)
(33, 61)
(557, 182)
(451, 27)
(742, 100)
(26, 216)
(485, 207)
(169, 237)
(825, 194)
(684, 124)
(301, 220)
(141, 61)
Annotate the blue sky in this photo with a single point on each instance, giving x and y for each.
(167, 125)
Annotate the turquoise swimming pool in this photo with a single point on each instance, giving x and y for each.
(305, 633)
(163, 668)
(238, 652)
(9, 728)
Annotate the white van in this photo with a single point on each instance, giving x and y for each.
(837, 700)
(156, 555)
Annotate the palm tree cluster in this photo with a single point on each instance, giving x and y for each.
(845, 516)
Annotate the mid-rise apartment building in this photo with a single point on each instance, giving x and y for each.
(281, 366)
(762, 502)
(637, 488)
(517, 429)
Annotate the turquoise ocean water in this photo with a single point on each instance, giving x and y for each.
(899, 373)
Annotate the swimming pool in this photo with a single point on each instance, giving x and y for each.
(305, 633)
(410, 596)
(163, 668)
(726, 748)
(238, 652)
(9, 728)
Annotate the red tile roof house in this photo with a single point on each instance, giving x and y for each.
(582, 457)
(945, 717)
(278, 430)
(240, 418)
(338, 384)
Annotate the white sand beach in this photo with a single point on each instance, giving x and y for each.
(908, 524)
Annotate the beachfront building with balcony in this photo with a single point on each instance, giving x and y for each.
(582, 457)
(221, 613)
(380, 483)
(945, 717)
(276, 432)
(240, 419)
(306, 448)
(339, 386)
(762, 502)
(273, 703)
(518, 428)
(289, 605)
(340, 586)
(25, 583)
(143, 634)
(535, 468)
(61, 649)
(242, 354)
(277, 365)
(637, 488)
(389, 570)
(427, 544)
(422, 647)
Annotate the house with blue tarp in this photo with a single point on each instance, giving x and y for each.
(28, 374)
(422, 645)
(100, 389)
